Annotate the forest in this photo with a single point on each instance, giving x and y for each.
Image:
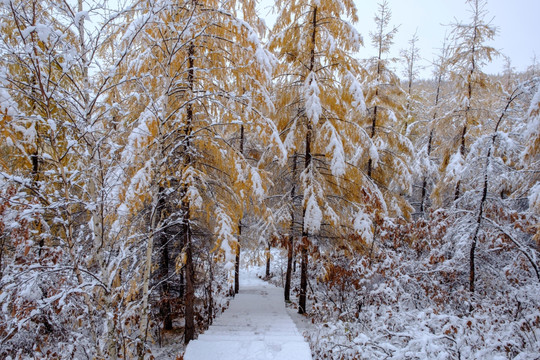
(149, 149)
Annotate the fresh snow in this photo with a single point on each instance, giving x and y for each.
(313, 102)
(362, 226)
(313, 216)
(255, 327)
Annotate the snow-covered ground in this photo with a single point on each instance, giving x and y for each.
(255, 327)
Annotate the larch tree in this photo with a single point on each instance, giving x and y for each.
(482, 145)
(427, 142)
(532, 133)
(321, 104)
(531, 158)
(203, 74)
(390, 153)
(470, 52)
(57, 127)
(410, 58)
(488, 211)
(508, 74)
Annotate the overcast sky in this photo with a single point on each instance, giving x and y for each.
(518, 23)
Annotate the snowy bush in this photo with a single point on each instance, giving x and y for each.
(408, 298)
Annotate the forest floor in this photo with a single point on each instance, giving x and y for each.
(256, 326)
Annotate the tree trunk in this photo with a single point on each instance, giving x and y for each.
(182, 281)
(3, 239)
(35, 158)
(290, 245)
(189, 317)
(374, 121)
(189, 329)
(472, 253)
(307, 165)
(305, 238)
(457, 192)
(303, 279)
(287, 288)
(237, 259)
(267, 273)
(165, 304)
(373, 126)
(424, 181)
(210, 290)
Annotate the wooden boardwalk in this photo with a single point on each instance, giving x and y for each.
(256, 326)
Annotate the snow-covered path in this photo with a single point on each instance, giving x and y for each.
(255, 327)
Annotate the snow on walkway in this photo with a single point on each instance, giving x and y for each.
(256, 326)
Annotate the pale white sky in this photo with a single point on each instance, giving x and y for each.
(518, 22)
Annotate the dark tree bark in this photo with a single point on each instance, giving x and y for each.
(189, 330)
(373, 126)
(267, 273)
(2, 246)
(35, 156)
(237, 258)
(424, 181)
(237, 262)
(375, 110)
(303, 280)
(462, 149)
(288, 274)
(305, 238)
(182, 280)
(210, 291)
(165, 303)
(307, 165)
(290, 245)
